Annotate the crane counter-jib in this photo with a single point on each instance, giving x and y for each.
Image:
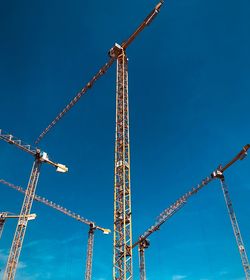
(12, 216)
(34, 151)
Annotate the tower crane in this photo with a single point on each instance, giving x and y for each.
(92, 225)
(39, 158)
(143, 242)
(237, 234)
(101, 72)
(7, 215)
(122, 248)
(236, 229)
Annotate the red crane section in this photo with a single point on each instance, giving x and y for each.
(101, 71)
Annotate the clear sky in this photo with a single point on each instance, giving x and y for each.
(189, 111)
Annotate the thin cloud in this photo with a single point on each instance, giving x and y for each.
(20, 267)
(179, 277)
(66, 241)
(223, 273)
(3, 256)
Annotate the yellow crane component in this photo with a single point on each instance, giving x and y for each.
(92, 225)
(122, 247)
(7, 215)
(39, 158)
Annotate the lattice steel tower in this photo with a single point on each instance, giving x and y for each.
(122, 255)
(122, 258)
(236, 229)
(39, 158)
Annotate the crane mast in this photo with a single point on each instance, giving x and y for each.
(144, 244)
(2, 222)
(122, 247)
(22, 222)
(122, 256)
(40, 157)
(88, 270)
(220, 175)
(236, 229)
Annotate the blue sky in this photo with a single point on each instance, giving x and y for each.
(189, 103)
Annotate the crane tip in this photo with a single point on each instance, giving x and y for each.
(106, 231)
(158, 6)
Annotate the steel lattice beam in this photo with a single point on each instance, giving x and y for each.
(101, 71)
(57, 207)
(122, 258)
(236, 229)
(16, 246)
(2, 222)
(142, 263)
(88, 271)
(40, 157)
(144, 244)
